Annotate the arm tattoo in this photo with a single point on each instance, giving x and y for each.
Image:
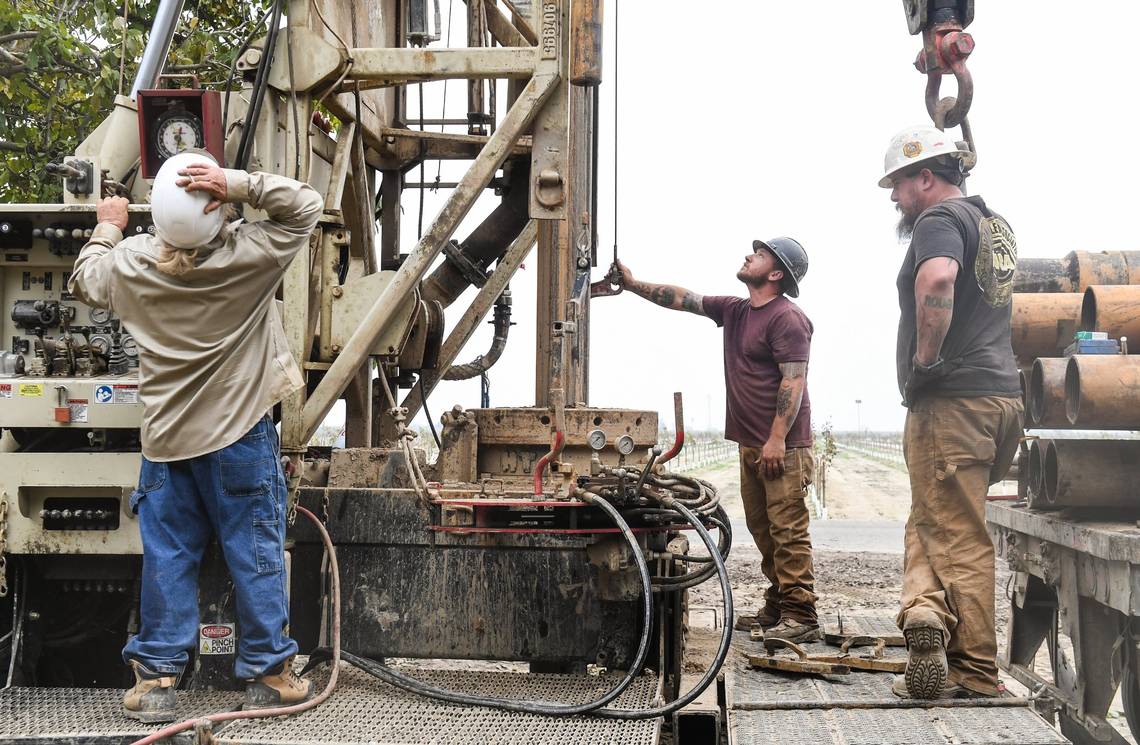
(693, 303)
(783, 400)
(938, 302)
(663, 296)
(793, 370)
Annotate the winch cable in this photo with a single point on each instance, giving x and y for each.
(277, 711)
(544, 708)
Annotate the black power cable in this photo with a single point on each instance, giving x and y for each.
(427, 414)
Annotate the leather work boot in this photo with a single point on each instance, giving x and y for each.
(765, 618)
(951, 691)
(281, 687)
(152, 698)
(926, 667)
(794, 631)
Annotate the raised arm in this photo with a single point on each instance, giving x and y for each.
(934, 306)
(90, 280)
(667, 296)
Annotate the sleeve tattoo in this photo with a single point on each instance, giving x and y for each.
(938, 302)
(693, 303)
(787, 396)
(783, 400)
(663, 296)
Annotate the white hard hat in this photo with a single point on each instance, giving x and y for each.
(916, 144)
(179, 215)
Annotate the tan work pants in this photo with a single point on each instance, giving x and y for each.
(777, 517)
(954, 449)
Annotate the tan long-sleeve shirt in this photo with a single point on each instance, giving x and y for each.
(213, 357)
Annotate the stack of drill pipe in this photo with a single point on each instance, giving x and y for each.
(1045, 394)
(1089, 473)
(1115, 310)
(1043, 323)
(1102, 391)
(1034, 470)
(1077, 271)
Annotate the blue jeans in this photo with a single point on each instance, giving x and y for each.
(237, 494)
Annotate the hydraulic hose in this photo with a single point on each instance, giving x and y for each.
(544, 708)
(226, 716)
(725, 636)
(685, 581)
(484, 362)
(245, 145)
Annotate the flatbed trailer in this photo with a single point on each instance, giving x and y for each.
(1075, 589)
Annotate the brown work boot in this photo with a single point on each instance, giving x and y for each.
(765, 618)
(794, 631)
(926, 667)
(281, 687)
(950, 691)
(152, 698)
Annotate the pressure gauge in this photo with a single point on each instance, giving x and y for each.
(625, 444)
(130, 347)
(596, 439)
(99, 316)
(100, 344)
(175, 131)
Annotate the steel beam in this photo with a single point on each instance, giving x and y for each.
(413, 65)
(473, 316)
(412, 270)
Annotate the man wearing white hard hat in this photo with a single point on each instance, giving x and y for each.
(198, 297)
(960, 384)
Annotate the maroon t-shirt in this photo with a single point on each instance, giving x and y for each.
(756, 341)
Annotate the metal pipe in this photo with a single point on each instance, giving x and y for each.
(157, 45)
(1046, 393)
(1103, 391)
(1043, 323)
(1115, 310)
(1091, 473)
(1035, 469)
(411, 271)
(1077, 271)
(679, 426)
(539, 467)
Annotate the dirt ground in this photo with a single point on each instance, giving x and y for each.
(858, 557)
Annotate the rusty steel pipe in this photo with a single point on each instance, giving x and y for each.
(586, 42)
(1115, 310)
(1102, 391)
(1043, 323)
(1046, 393)
(1077, 271)
(1091, 473)
(1035, 469)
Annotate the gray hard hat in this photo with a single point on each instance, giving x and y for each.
(792, 257)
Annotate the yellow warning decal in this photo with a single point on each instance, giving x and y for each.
(32, 389)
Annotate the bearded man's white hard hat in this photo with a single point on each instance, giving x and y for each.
(179, 215)
(917, 144)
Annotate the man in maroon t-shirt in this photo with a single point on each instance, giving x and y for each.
(767, 339)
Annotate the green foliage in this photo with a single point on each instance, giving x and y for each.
(59, 72)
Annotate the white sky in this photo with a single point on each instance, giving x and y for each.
(755, 119)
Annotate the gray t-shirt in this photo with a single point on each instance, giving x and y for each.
(977, 351)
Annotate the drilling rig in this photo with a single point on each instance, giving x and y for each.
(509, 546)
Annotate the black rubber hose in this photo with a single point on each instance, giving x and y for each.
(245, 145)
(695, 578)
(725, 636)
(545, 708)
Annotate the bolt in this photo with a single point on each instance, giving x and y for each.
(335, 348)
(337, 292)
(959, 44)
(33, 615)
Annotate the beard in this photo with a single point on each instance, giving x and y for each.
(905, 227)
(751, 281)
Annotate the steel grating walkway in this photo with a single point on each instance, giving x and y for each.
(769, 706)
(362, 711)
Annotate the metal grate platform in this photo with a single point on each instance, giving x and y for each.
(363, 710)
(770, 706)
(864, 624)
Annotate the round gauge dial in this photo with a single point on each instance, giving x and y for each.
(130, 347)
(99, 316)
(625, 444)
(176, 131)
(596, 439)
(100, 344)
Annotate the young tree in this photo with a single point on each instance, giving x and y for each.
(63, 61)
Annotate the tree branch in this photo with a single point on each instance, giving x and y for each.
(18, 35)
(12, 147)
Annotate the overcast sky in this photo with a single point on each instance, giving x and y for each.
(757, 119)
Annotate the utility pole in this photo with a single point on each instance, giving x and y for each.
(859, 415)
